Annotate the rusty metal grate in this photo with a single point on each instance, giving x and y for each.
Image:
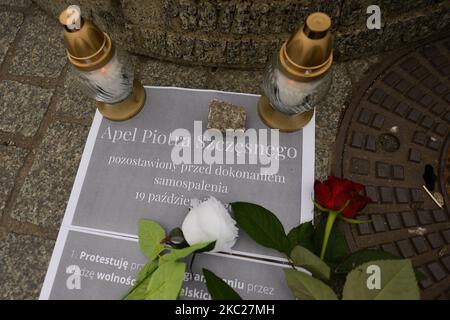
(397, 123)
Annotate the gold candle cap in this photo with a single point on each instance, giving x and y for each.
(308, 53)
(317, 25)
(88, 48)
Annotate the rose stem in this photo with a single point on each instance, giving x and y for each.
(330, 221)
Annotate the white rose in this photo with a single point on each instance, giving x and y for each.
(209, 221)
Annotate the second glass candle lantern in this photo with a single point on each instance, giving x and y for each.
(298, 76)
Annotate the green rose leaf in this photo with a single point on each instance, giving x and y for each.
(337, 248)
(142, 280)
(305, 287)
(261, 225)
(146, 270)
(150, 235)
(175, 254)
(362, 256)
(219, 289)
(165, 283)
(302, 257)
(397, 281)
(302, 235)
(138, 291)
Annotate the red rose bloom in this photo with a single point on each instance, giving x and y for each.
(335, 193)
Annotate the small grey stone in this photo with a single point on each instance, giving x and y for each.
(11, 161)
(41, 51)
(23, 263)
(10, 23)
(157, 73)
(224, 115)
(44, 194)
(22, 107)
(73, 101)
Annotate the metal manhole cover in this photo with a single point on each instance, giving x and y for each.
(447, 174)
(398, 123)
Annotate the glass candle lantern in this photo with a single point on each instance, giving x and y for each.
(111, 83)
(105, 73)
(298, 76)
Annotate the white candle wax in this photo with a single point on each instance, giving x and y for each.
(293, 93)
(111, 82)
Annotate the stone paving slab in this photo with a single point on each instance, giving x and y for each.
(43, 197)
(22, 107)
(40, 52)
(72, 102)
(11, 161)
(9, 25)
(23, 263)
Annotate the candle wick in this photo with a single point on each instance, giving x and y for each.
(71, 17)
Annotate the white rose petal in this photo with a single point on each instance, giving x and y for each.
(209, 221)
(197, 235)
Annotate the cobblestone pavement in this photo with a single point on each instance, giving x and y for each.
(44, 121)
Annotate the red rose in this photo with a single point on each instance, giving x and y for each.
(335, 193)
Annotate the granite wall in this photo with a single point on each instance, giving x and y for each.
(244, 33)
